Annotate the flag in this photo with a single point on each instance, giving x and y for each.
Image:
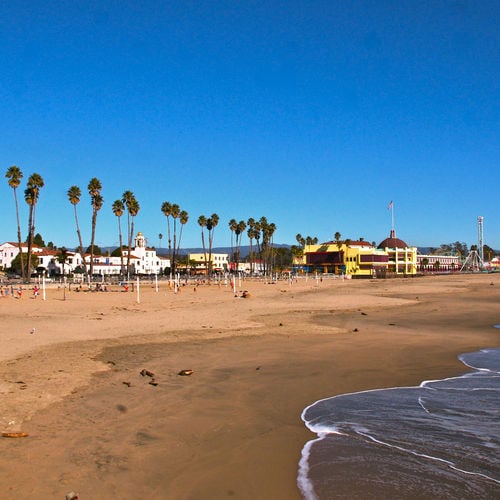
(390, 205)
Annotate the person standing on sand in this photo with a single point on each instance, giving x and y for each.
(35, 291)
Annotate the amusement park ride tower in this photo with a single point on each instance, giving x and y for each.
(474, 261)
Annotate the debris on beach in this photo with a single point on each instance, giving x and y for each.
(72, 496)
(128, 384)
(147, 373)
(15, 434)
(153, 382)
(33, 330)
(185, 373)
(355, 330)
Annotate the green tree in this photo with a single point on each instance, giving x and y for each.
(94, 250)
(31, 195)
(119, 209)
(16, 263)
(96, 200)
(14, 175)
(74, 195)
(38, 240)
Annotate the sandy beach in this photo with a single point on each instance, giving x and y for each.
(71, 377)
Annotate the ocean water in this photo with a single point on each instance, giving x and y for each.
(438, 440)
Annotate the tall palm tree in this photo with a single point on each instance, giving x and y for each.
(118, 209)
(166, 209)
(31, 194)
(202, 222)
(233, 225)
(175, 212)
(240, 228)
(337, 239)
(96, 200)
(183, 219)
(300, 240)
(74, 195)
(15, 174)
(251, 235)
(128, 200)
(212, 222)
(160, 237)
(62, 257)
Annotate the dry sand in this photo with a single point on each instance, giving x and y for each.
(232, 429)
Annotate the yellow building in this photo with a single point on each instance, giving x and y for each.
(220, 262)
(360, 259)
(356, 258)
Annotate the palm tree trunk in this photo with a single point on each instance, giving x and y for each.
(30, 242)
(80, 240)
(94, 223)
(19, 242)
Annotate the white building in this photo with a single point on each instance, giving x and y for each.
(143, 260)
(10, 250)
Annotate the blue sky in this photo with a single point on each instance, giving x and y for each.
(315, 114)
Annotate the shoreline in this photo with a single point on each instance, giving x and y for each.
(234, 426)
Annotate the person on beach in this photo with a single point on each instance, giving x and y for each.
(35, 291)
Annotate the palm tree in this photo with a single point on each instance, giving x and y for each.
(160, 237)
(233, 225)
(31, 194)
(337, 240)
(96, 200)
(118, 209)
(202, 222)
(211, 225)
(175, 212)
(62, 257)
(183, 219)
(300, 240)
(15, 174)
(240, 228)
(251, 236)
(166, 209)
(74, 195)
(128, 199)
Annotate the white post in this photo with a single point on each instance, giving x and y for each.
(43, 288)
(156, 283)
(138, 291)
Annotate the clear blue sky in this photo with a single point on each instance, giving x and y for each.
(315, 114)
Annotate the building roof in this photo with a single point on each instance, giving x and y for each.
(392, 242)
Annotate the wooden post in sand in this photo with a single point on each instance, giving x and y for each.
(138, 291)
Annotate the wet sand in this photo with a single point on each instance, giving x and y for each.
(232, 429)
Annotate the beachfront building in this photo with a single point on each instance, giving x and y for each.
(355, 258)
(218, 263)
(10, 250)
(144, 259)
(438, 263)
(402, 259)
